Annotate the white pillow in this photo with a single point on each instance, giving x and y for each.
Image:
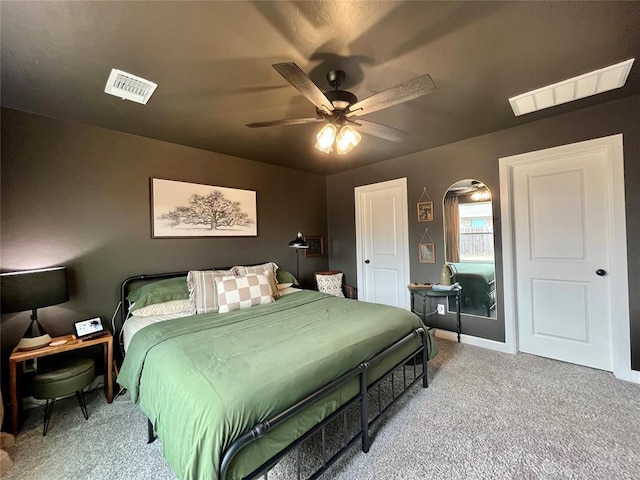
(331, 284)
(164, 308)
(243, 291)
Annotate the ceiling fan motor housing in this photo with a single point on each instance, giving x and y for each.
(341, 100)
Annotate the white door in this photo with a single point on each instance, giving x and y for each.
(382, 234)
(561, 225)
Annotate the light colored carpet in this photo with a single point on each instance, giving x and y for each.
(485, 415)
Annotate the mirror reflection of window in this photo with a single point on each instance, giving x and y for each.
(469, 245)
(475, 232)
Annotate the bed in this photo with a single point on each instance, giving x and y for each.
(478, 284)
(230, 393)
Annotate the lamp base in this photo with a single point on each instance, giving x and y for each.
(34, 342)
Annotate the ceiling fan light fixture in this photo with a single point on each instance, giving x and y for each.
(325, 137)
(336, 106)
(340, 104)
(347, 139)
(481, 195)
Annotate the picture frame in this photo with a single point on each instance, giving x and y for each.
(425, 211)
(427, 253)
(188, 210)
(316, 246)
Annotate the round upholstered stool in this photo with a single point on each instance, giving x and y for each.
(66, 378)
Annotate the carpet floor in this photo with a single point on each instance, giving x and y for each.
(485, 415)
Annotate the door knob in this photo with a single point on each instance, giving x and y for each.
(600, 272)
(367, 261)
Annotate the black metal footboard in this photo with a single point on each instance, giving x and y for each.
(363, 433)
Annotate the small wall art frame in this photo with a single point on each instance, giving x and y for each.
(185, 210)
(425, 211)
(427, 252)
(316, 246)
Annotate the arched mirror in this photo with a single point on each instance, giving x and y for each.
(469, 244)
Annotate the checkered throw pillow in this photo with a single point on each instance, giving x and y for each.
(243, 291)
(203, 296)
(269, 269)
(331, 284)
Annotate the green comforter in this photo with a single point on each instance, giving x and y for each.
(205, 380)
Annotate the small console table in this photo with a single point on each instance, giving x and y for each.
(426, 291)
(71, 343)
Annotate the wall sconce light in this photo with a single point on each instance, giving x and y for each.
(345, 141)
(298, 243)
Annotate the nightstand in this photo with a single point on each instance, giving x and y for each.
(427, 292)
(19, 356)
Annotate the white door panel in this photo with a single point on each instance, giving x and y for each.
(561, 308)
(561, 227)
(385, 281)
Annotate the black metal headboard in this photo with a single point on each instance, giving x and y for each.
(126, 287)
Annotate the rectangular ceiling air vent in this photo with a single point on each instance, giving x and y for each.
(129, 87)
(592, 83)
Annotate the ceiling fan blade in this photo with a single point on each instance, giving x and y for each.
(402, 92)
(296, 77)
(286, 121)
(380, 130)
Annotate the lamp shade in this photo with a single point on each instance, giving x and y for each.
(326, 137)
(347, 139)
(299, 242)
(32, 289)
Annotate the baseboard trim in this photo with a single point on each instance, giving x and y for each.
(476, 341)
(632, 376)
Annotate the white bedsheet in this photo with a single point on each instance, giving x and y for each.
(135, 324)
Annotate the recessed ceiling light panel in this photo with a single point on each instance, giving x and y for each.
(575, 88)
(129, 87)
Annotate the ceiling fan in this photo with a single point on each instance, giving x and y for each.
(337, 107)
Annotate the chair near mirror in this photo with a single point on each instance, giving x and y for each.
(469, 245)
(332, 282)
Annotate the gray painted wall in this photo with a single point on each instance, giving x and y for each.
(438, 168)
(78, 196)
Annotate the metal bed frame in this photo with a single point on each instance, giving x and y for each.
(361, 400)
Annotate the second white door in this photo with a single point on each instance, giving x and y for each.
(382, 242)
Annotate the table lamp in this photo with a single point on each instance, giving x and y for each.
(30, 290)
(298, 243)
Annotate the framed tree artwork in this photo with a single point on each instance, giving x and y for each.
(183, 210)
(316, 246)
